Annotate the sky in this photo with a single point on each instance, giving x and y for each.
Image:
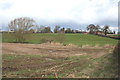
(76, 14)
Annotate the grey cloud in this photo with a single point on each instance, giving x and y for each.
(100, 18)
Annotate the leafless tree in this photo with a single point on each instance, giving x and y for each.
(21, 27)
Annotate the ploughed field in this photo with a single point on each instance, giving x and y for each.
(77, 56)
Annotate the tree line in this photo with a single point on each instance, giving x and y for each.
(22, 28)
(95, 29)
(26, 24)
(92, 29)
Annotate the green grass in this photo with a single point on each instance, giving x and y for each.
(76, 39)
(116, 35)
(106, 67)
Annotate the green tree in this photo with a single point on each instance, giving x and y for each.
(47, 30)
(62, 30)
(31, 30)
(91, 28)
(68, 30)
(114, 32)
(97, 28)
(56, 30)
(106, 29)
(72, 31)
(76, 31)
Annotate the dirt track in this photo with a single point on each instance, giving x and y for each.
(54, 49)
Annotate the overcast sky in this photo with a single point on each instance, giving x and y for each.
(76, 14)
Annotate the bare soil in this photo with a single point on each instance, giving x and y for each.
(55, 61)
(54, 49)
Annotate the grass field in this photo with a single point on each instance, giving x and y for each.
(77, 39)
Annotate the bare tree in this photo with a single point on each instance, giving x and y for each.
(21, 27)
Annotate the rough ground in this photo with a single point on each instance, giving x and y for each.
(55, 49)
(51, 60)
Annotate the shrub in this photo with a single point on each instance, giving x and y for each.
(46, 39)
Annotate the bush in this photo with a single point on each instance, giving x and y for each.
(46, 39)
(43, 40)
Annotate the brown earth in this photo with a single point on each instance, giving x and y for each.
(54, 61)
(54, 49)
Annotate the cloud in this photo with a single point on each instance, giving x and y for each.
(78, 12)
(5, 5)
(114, 29)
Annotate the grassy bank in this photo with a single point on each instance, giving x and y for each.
(77, 39)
